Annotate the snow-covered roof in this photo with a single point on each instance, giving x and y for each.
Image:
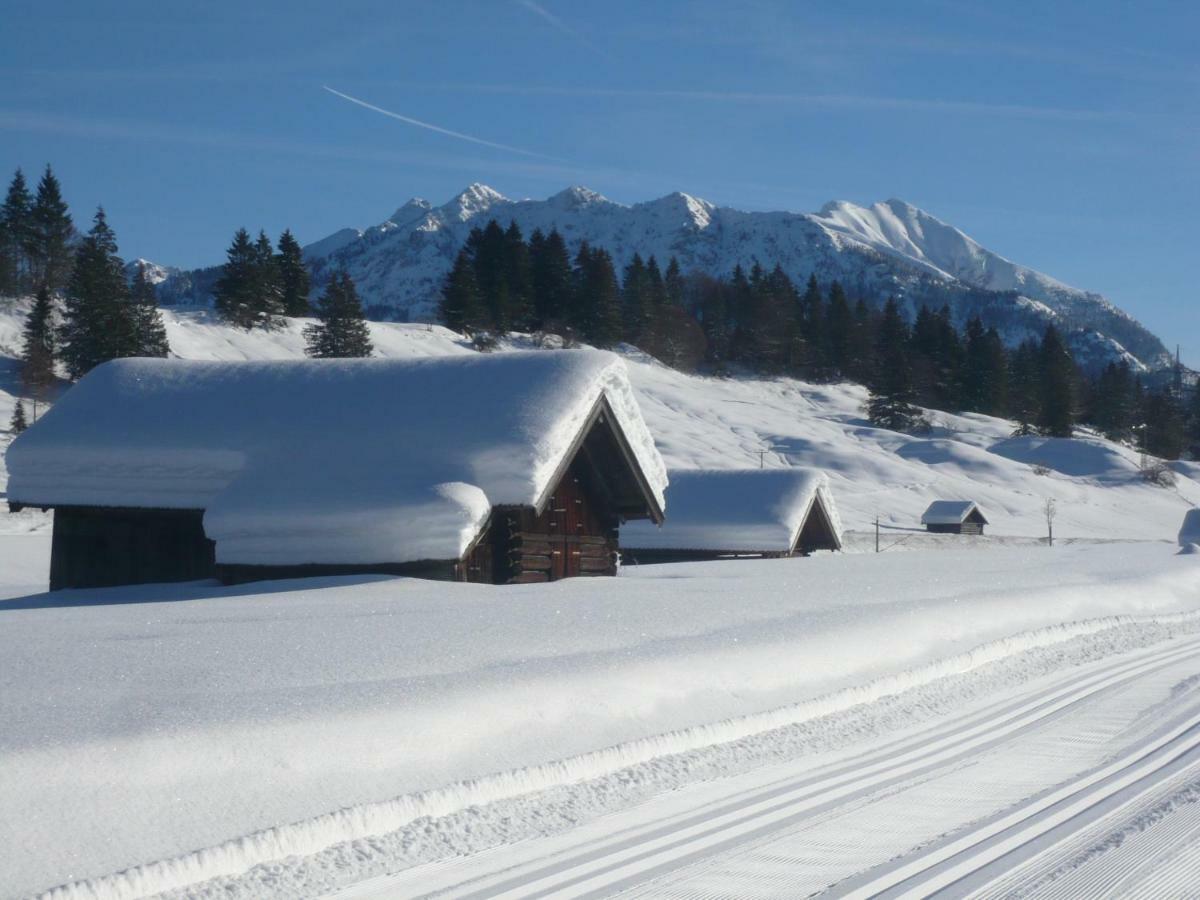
(346, 461)
(950, 512)
(735, 510)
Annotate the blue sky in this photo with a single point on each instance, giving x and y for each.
(1065, 136)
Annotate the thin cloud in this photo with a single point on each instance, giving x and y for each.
(438, 128)
(558, 24)
(828, 101)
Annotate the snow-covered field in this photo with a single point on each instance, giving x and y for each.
(941, 718)
(360, 725)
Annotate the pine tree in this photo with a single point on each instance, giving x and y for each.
(1112, 401)
(1024, 393)
(597, 297)
(150, 335)
(236, 297)
(51, 232)
(550, 274)
(995, 381)
(17, 423)
(38, 346)
(461, 308)
(974, 374)
(839, 324)
(1057, 414)
(294, 280)
(268, 284)
(812, 307)
(342, 330)
(1164, 432)
(16, 236)
(519, 278)
(636, 301)
(97, 321)
(891, 393)
(862, 343)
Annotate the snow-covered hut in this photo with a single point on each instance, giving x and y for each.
(954, 517)
(738, 513)
(507, 467)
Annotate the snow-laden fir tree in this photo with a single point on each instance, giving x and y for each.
(97, 321)
(294, 281)
(38, 346)
(49, 250)
(18, 423)
(342, 328)
(150, 335)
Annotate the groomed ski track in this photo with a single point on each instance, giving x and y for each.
(1043, 793)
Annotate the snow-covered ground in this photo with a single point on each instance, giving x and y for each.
(325, 720)
(753, 728)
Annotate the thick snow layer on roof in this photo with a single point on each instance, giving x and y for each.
(947, 512)
(734, 509)
(378, 460)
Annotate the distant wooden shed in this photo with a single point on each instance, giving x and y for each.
(499, 468)
(954, 517)
(738, 513)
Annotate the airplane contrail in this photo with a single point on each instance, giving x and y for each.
(438, 128)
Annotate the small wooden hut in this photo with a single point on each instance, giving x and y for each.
(736, 514)
(500, 468)
(953, 517)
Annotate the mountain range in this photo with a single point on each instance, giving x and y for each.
(889, 249)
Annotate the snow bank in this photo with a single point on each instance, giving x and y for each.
(735, 509)
(316, 461)
(202, 716)
(1189, 532)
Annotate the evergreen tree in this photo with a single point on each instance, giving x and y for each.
(1164, 432)
(234, 297)
(597, 305)
(16, 236)
(294, 280)
(839, 325)
(550, 274)
(973, 378)
(268, 283)
(97, 321)
(891, 393)
(714, 319)
(1057, 414)
(150, 335)
(673, 283)
(461, 308)
(518, 275)
(342, 329)
(489, 250)
(1113, 401)
(635, 301)
(995, 379)
(51, 231)
(812, 328)
(862, 343)
(17, 423)
(1024, 393)
(38, 346)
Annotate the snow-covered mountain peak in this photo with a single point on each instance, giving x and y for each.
(577, 197)
(414, 209)
(472, 201)
(680, 210)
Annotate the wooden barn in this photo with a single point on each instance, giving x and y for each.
(738, 513)
(953, 517)
(500, 468)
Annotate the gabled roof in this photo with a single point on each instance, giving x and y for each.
(735, 510)
(950, 512)
(347, 461)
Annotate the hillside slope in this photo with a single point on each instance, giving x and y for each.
(889, 249)
(702, 422)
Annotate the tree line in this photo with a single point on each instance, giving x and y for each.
(260, 285)
(759, 321)
(86, 309)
